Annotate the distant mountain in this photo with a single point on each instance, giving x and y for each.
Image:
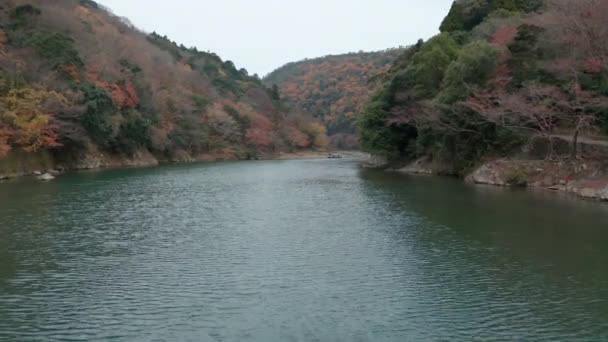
(332, 88)
(76, 80)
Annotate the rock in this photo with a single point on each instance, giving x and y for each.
(37, 173)
(54, 172)
(489, 173)
(376, 162)
(421, 166)
(46, 177)
(603, 195)
(547, 181)
(595, 189)
(181, 156)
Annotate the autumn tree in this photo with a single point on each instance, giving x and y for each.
(25, 123)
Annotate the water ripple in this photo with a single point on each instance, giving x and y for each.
(283, 251)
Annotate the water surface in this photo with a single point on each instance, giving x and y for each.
(296, 251)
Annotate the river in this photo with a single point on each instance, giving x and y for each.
(307, 250)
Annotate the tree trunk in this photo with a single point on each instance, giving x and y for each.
(575, 144)
(551, 148)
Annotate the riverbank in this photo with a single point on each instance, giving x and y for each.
(586, 178)
(21, 164)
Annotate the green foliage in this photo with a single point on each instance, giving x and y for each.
(89, 3)
(134, 132)
(227, 86)
(476, 62)
(525, 54)
(430, 64)
(57, 48)
(597, 82)
(275, 93)
(201, 103)
(190, 135)
(379, 137)
(455, 20)
(444, 73)
(130, 66)
(97, 118)
(165, 44)
(22, 15)
(467, 14)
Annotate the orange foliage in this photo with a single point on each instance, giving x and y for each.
(258, 137)
(333, 88)
(298, 138)
(26, 123)
(182, 96)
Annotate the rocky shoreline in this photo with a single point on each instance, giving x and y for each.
(586, 179)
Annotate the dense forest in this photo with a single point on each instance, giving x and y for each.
(500, 75)
(333, 88)
(75, 78)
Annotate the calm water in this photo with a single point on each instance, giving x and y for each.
(296, 251)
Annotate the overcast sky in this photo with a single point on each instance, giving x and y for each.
(262, 35)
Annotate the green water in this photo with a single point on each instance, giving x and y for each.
(296, 251)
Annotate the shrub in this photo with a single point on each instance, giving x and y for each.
(57, 48)
(21, 15)
(97, 119)
(516, 178)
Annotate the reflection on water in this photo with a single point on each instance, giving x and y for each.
(296, 251)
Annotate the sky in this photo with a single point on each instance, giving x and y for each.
(262, 35)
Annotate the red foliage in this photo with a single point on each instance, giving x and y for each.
(332, 88)
(124, 95)
(504, 36)
(298, 138)
(48, 136)
(258, 137)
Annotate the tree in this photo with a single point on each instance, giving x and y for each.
(475, 64)
(275, 93)
(430, 64)
(540, 109)
(24, 121)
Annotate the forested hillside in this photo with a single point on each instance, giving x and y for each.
(332, 88)
(500, 75)
(76, 79)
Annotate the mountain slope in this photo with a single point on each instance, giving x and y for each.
(76, 80)
(502, 75)
(332, 88)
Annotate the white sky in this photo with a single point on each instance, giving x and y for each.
(262, 35)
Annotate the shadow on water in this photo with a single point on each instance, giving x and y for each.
(552, 228)
(543, 250)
